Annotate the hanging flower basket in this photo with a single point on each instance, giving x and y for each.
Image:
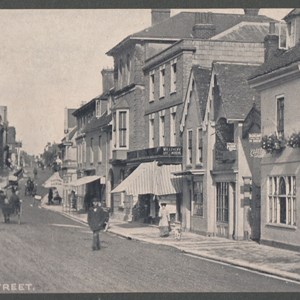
(294, 140)
(271, 143)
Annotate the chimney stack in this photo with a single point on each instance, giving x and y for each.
(204, 27)
(107, 79)
(271, 42)
(159, 15)
(251, 11)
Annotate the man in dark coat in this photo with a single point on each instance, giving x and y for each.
(96, 219)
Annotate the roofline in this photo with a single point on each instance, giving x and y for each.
(259, 81)
(238, 26)
(136, 38)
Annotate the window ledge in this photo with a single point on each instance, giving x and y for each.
(283, 226)
(151, 100)
(199, 165)
(173, 92)
(161, 97)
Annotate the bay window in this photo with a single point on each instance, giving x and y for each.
(282, 200)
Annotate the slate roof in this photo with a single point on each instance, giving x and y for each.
(247, 32)
(103, 96)
(180, 26)
(202, 82)
(236, 94)
(282, 58)
(96, 123)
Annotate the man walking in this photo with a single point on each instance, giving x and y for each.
(96, 219)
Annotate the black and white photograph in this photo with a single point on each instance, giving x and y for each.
(149, 150)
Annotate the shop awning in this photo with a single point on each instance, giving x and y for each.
(85, 180)
(53, 181)
(150, 178)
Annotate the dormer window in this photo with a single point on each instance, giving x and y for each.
(98, 108)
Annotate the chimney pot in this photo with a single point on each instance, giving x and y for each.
(107, 79)
(159, 15)
(251, 11)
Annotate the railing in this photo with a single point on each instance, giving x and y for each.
(154, 152)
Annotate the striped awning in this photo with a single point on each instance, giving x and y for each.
(149, 178)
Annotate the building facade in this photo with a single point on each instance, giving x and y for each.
(218, 124)
(155, 87)
(278, 82)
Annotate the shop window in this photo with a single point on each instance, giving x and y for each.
(198, 198)
(222, 201)
(282, 200)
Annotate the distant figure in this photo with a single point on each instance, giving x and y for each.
(57, 197)
(164, 221)
(96, 220)
(50, 196)
(35, 172)
(15, 200)
(87, 201)
(7, 207)
(73, 200)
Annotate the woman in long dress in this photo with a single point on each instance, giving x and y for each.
(164, 221)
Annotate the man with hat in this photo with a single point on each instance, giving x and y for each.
(96, 219)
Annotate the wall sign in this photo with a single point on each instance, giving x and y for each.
(254, 137)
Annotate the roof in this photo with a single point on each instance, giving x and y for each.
(202, 81)
(282, 58)
(122, 104)
(246, 32)
(292, 13)
(180, 26)
(103, 96)
(96, 123)
(236, 95)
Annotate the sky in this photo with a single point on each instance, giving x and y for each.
(52, 59)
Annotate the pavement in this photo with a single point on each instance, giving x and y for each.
(246, 254)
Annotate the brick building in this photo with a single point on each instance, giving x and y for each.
(154, 80)
(93, 143)
(278, 82)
